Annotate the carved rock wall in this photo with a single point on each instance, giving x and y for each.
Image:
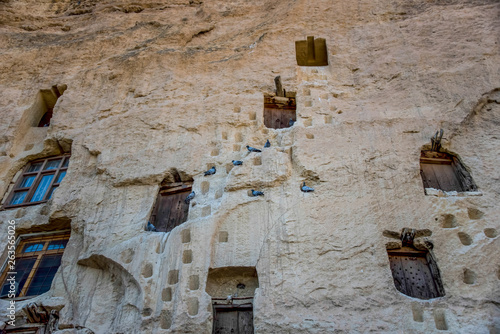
(175, 86)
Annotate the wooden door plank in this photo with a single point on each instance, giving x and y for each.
(245, 322)
(226, 322)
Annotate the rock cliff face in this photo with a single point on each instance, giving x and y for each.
(162, 90)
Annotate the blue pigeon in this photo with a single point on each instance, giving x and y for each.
(291, 122)
(211, 171)
(306, 189)
(237, 162)
(268, 144)
(151, 227)
(257, 193)
(251, 149)
(189, 197)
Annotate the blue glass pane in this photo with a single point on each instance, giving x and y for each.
(33, 247)
(61, 176)
(44, 275)
(57, 244)
(23, 269)
(27, 181)
(18, 197)
(52, 164)
(43, 186)
(35, 167)
(66, 162)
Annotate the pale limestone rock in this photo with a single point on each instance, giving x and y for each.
(175, 86)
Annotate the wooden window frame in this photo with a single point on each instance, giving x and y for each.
(28, 239)
(433, 268)
(283, 104)
(464, 180)
(166, 190)
(38, 177)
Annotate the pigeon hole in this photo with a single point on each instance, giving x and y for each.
(440, 320)
(279, 111)
(187, 256)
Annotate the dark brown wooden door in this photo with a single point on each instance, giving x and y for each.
(278, 118)
(170, 210)
(412, 276)
(233, 321)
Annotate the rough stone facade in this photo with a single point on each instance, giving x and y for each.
(162, 90)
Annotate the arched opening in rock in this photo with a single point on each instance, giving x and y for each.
(171, 207)
(415, 273)
(44, 105)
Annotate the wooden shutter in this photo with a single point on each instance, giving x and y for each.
(279, 110)
(233, 320)
(170, 209)
(412, 275)
(443, 171)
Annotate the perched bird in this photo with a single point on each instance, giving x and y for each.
(151, 227)
(211, 171)
(251, 149)
(290, 122)
(306, 189)
(237, 162)
(257, 193)
(189, 197)
(268, 144)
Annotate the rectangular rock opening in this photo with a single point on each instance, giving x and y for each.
(279, 107)
(444, 172)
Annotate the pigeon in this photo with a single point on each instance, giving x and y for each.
(189, 197)
(211, 171)
(306, 189)
(237, 162)
(268, 144)
(257, 193)
(290, 122)
(151, 227)
(251, 149)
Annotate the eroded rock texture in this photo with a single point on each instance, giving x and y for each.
(166, 89)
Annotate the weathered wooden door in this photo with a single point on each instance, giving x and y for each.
(412, 275)
(278, 118)
(233, 320)
(170, 210)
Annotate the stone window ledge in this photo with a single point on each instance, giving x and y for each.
(441, 193)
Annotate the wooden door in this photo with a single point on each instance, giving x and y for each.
(170, 210)
(412, 275)
(233, 320)
(278, 118)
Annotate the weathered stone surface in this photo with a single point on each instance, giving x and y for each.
(173, 87)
